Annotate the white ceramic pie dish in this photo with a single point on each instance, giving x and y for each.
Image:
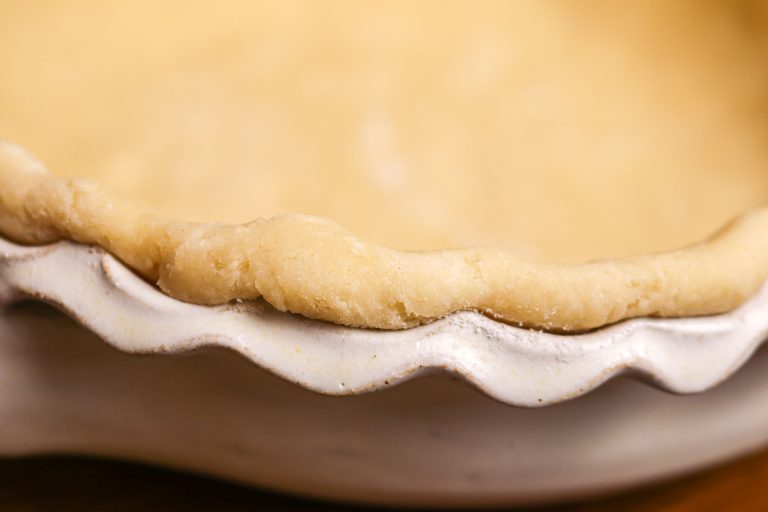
(431, 441)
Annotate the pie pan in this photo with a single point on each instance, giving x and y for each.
(74, 384)
(386, 252)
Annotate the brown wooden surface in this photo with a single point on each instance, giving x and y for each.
(84, 485)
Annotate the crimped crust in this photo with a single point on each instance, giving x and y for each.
(313, 267)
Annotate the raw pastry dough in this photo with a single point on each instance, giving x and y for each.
(557, 132)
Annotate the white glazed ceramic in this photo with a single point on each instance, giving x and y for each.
(430, 441)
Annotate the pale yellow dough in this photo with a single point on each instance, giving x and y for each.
(556, 132)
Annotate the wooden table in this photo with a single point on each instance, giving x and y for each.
(83, 485)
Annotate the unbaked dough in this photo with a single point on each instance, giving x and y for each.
(544, 135)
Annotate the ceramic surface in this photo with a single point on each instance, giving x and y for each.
(430, 441)
(518, 366)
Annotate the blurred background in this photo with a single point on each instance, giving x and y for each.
(57, 484)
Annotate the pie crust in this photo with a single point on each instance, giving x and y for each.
(556, 132)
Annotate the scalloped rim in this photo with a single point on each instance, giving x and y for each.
(517, 366)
